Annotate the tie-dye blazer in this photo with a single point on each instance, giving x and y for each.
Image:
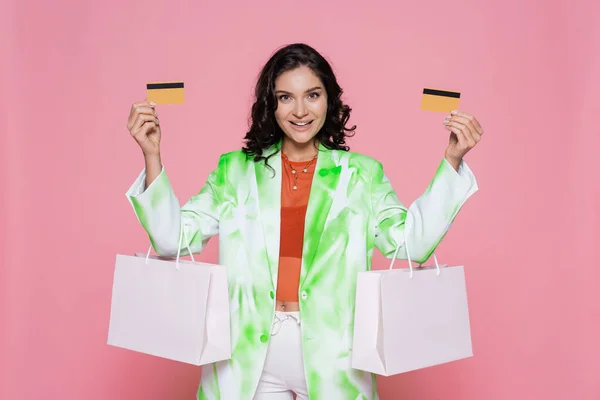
(352, 209)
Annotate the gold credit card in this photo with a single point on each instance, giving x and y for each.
(165, 92)
(439, 100)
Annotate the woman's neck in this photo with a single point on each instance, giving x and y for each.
(299, 153)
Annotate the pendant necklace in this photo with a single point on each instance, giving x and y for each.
(295, 173)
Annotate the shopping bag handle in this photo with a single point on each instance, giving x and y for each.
(187, 244)
(437, 266)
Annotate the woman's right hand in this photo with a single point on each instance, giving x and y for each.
(144, 127)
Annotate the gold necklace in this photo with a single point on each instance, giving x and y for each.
(295, 173)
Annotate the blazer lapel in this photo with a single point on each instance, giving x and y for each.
(269, 202)
(324, 185)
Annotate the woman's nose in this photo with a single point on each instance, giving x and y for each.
(300, 110)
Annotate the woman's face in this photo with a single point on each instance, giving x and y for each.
(301, 104)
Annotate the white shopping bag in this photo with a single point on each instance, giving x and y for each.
(410, 319)
(175, 309)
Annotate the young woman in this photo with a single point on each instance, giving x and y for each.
(298, 216)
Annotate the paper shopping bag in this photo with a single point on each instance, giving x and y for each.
(177, 310)
(410, 319)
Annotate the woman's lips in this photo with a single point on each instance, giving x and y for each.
(301, 126)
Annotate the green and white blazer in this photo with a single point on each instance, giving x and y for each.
(351, 210)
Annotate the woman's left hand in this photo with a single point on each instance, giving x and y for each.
(465, 134)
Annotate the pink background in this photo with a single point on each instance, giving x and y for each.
(527, 70)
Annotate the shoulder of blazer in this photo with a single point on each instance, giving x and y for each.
(360, 162)
(235, 165)
(235, 158)
(237, 161)
(238, 158)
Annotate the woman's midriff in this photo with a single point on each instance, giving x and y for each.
(287, 306)
(287, 282)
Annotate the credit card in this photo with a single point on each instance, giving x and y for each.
(439, 100)
(165, 92)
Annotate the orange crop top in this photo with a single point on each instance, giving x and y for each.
(293, 213)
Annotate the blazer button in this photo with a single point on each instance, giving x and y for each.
(264, 338)
(304, 295)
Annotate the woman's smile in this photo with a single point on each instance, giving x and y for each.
(301, 126)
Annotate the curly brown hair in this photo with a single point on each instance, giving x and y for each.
(264, 131)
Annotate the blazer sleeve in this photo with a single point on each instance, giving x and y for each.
(425, 223)
(159, 212)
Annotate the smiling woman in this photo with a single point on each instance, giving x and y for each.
(301, 112)
(298, 102)
(298, 229)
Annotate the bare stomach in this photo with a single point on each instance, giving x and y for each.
(287, 306)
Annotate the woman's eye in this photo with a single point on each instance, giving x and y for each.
(313, 95)
(284, 97)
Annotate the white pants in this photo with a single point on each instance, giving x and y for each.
(283, 373)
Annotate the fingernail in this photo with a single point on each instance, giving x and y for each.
(152, 103)
(454, 112)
